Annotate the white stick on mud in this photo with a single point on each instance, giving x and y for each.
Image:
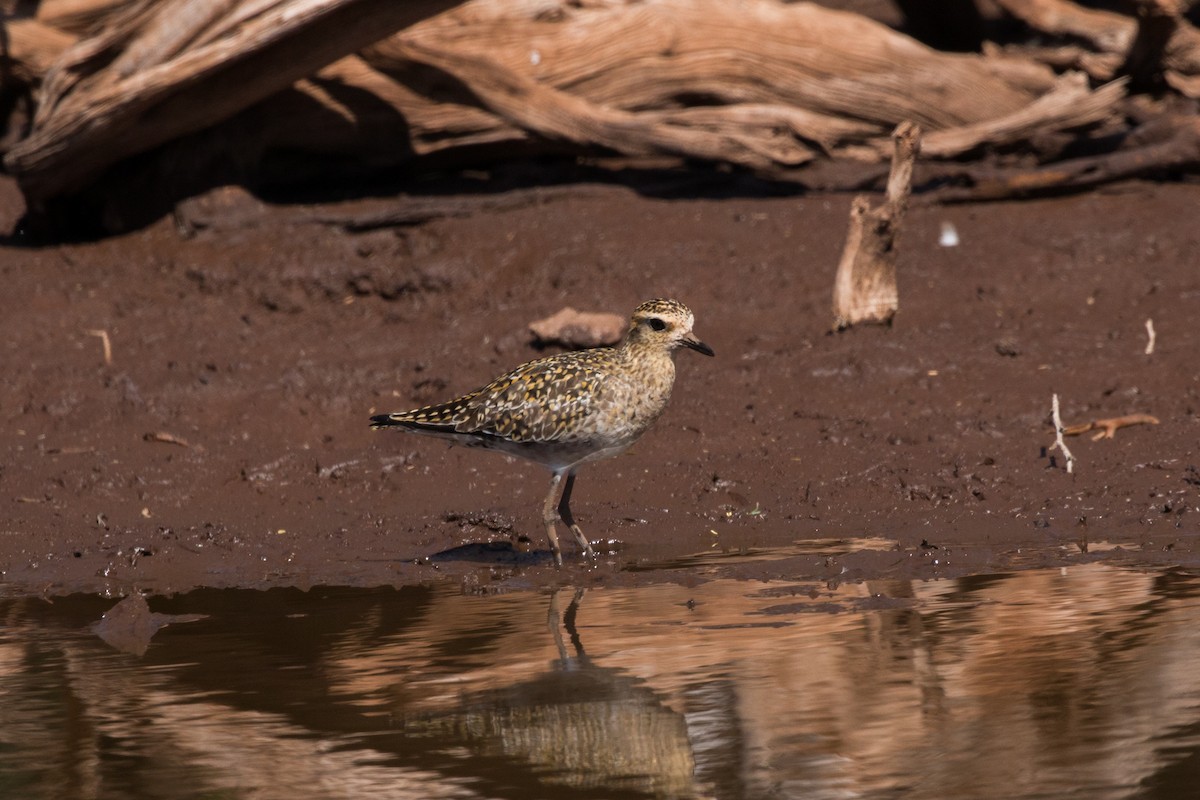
(1150, 333)
(105, 342)
(1058, 435)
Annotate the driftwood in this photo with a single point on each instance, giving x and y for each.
(1168, 144)
(210, 91)
(1157, 44)
(865, 287)
(781, 82)
(778, 84)
(161, 70)
(1107, 428)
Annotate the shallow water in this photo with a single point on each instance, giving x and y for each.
(1077, 682)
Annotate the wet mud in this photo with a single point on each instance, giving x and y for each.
(224, 443)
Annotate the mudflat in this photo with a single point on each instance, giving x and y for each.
(187, 405)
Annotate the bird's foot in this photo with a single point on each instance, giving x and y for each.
(584, 544)
(553, 538)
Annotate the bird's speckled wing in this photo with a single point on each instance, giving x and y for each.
(545, 400)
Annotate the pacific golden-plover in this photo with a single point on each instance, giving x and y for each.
(565, 410)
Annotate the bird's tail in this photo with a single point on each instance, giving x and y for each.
(439, 418)
(443, 417)
(407, 420)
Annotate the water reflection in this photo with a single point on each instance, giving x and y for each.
(1077, 682)
(578, 724)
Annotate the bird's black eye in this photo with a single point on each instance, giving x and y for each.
(657, 324)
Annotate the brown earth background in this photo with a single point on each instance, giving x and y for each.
(227, 442)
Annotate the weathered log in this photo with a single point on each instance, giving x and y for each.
(1070, 105)
(558, 115)
(77, 16)
(800, 55)
(1145, 63)
(31, 48)
(1174, 146)
(834, 83)
(1157, 45)
(763, 84)
(117, 94)
(1103, 31)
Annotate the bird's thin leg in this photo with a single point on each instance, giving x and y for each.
(550, 516)
(564, 511)
(553, 619)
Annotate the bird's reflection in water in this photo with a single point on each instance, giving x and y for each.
(576, 725)
(1080, 681)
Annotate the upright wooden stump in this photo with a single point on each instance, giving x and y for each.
(865, 287)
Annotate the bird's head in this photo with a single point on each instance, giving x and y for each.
(667, 323)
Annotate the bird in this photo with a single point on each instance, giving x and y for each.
(569, 409)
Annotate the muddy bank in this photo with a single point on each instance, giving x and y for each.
(226, 443)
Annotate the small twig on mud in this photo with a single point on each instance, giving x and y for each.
(1150, 333)
(1058, 435)
(1108, 427)
(105, 342)
(169, 438)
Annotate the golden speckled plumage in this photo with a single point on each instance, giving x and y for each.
(567, 409)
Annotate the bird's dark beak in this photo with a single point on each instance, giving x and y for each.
(697, 345)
